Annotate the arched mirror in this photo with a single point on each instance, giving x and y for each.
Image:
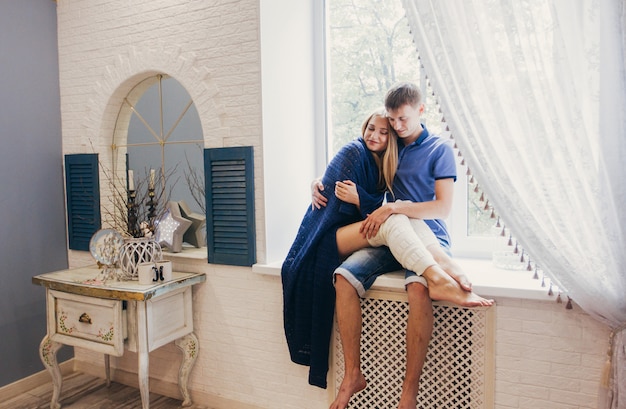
(158, 149)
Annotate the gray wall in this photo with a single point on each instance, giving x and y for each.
(32, 214)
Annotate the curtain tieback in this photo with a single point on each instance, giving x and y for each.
(607, 371)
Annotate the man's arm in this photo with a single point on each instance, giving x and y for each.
(435, 209)
(345, 191)
(318, 200)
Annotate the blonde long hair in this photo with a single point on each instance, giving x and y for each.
(387, 161)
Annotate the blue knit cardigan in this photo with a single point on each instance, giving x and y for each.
(308, 291)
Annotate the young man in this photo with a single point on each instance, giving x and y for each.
(423, 188)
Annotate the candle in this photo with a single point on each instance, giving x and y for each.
(151, 179)
(131, 180)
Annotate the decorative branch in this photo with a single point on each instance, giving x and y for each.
(133, 213)
(195, 181)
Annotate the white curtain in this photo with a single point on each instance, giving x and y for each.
(534, 92)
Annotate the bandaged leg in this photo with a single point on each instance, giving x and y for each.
(424, 233)
(399, 234)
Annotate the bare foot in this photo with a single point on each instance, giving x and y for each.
(458, 275)
(463, 281)
(443, 287)
(450, 266)
(348, 388)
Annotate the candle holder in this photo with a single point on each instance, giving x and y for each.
(133, 225)
(151, 208)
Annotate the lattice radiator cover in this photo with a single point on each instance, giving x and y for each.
(459, 368)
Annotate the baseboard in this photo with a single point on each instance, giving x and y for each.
(33, 381)
(164, 388)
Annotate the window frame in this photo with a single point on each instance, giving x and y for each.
(463, 244)
(302, 128)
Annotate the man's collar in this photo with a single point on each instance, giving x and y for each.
(423, 135)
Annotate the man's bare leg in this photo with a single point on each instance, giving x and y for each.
(348, 309)
(418, 332)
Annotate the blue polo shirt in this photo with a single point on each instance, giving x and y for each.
(420, 164)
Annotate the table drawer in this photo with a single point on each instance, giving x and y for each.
(88, 322)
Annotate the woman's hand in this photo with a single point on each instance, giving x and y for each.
(318, 200)
(347, 192)
(369, 227)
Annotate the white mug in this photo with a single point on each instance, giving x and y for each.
(165, 270)
(146, 273)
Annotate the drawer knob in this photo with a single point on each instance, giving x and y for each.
(85, 318)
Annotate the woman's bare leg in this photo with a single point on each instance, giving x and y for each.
(350, 239)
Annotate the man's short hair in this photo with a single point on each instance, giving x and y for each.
(401, 94)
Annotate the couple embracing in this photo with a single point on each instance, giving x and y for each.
(350, 235)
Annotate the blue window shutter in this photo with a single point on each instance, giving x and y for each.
(82, 188)
(229, 187)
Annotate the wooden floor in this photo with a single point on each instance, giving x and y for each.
(81, 391)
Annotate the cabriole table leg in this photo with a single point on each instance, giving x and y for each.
(189, 346)
(48, 354)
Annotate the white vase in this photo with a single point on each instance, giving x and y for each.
(135, 251)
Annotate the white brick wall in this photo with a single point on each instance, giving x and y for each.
(547, 357)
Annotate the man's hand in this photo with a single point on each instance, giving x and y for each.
(318, 200)
(370, 226)
(347, 192)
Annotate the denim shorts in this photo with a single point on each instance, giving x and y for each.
(363, 267)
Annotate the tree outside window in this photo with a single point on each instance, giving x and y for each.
(369, 49)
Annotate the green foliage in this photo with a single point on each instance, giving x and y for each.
(370, 49)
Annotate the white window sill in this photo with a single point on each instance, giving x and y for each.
(487, 280)
(188, 253)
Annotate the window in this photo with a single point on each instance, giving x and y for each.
(369, 48)
(308, 62)
(162, 133)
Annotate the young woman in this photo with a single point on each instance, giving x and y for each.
(307, 272)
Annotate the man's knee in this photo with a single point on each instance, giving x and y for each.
(342, 284)
(417, 294)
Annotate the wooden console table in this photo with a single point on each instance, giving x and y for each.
(117, 315)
